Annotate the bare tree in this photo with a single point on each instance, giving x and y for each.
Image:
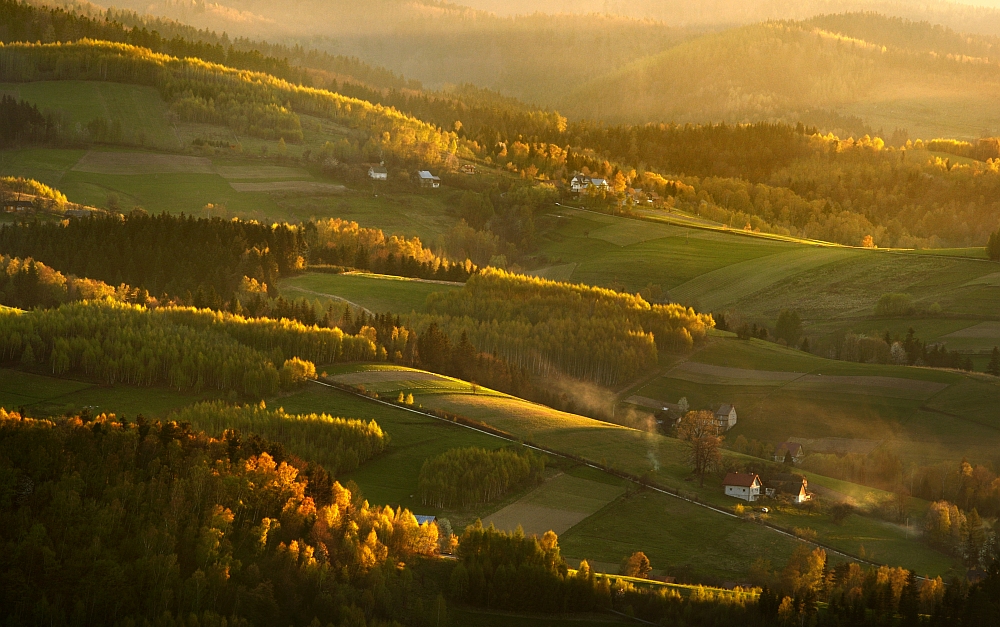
(700, 431)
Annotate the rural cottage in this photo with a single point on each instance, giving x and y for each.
(742, 485)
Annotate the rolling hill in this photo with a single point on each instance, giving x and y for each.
(440, 44)
(889, 72)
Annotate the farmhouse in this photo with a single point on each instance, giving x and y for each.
(469, 168)
(428, 180)
(725, 417)
(18, 206)
(581, 183)
(785, 448)
(793, 486)
(378, 173)
(742, 485)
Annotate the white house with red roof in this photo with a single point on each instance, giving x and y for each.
(742, 485)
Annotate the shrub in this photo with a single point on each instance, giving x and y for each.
(894, 304)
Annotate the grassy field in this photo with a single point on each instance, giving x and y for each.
(142, 112)
(924, 415)
(663, 459)
(44, 395)
(834, 289)
(375, 292)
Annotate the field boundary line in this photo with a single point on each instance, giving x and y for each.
(498, 433)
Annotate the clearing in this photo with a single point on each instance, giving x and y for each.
(558, 504)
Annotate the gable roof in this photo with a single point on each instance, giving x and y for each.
(424, 174)
(741, 479)
(785, 482)
(377, 169)
(794, 447)
(723, 410)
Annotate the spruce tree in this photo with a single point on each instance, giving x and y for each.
(994, 367)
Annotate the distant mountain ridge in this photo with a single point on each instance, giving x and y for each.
(974, 16)
(861, 64)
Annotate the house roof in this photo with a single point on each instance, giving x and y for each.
(724, 410)
(424, 519)
(741, 479)
(599, 182)
(794, 447)
(377, 169)
(785, 482)
(424, 174)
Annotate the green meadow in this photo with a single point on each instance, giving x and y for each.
(629, 448)
(925, 415)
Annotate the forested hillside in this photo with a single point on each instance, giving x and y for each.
(785, 70)
(117, 521)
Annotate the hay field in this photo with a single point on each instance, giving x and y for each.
(558, 504)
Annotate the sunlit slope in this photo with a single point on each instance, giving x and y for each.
(901, 77)
(636, 452)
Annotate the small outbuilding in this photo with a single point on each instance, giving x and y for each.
(378, 173)
(742, 485)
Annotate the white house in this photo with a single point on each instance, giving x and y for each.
(378, 173)
(601, 184)
(428, 180)
(725, 417)
(789, 447)
(579, 183)
(742, 485)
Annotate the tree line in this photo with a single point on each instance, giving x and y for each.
(464, 477)
(22, 123)
(182, 348)
(541, 325)
(212, 262)
(250, 102)
(117, 521)
(26, 284)
(339, 445)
